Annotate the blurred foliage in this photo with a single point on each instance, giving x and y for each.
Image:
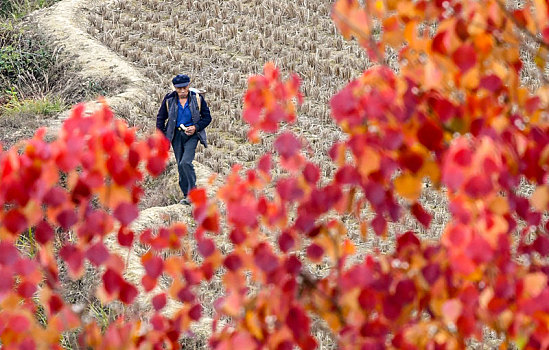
(18, 8)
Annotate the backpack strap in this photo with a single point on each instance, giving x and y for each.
(197, 93)
(198, 101)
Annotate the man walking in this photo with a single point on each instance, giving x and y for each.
(187, 117)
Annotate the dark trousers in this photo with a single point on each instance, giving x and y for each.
(184, 147)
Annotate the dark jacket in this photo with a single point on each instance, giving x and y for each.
(168, 110)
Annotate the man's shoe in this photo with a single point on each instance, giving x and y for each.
(185, 201)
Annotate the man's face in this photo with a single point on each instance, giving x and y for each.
(183, 92)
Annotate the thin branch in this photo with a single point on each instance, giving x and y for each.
(523, 29)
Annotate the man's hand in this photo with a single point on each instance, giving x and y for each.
(190, 130)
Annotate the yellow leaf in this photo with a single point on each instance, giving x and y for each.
(380, 8)
(540, 198)
(408, 186)
(253, 325)
(534, 284)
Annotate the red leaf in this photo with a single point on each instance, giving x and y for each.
(478, 186)
(430, 135)
(407, 240)
(8, 253)
(285, 345)
(73, 256)
(26, 289)
(43, 232)
(241, 214)
(126, 213)
(265, 259)
(154, 265)
(287, 145)
(421, 215)
(18, 324)
(298, 322)
(431, 273)
(6, 280)
(14, 221)
(127, 292)
(374, 329)
(292, 265)
(66, 219)
(148, 283)
(411, 161)
(264, 164)
(458, 236)
(237, 236)
(125, 237)
(367, 299)
(379, 225)
(491, 83)
(440, 43)
(465, 57)
(540, 245)
(206, 247)
(311, 173)
(406, 291)
(97, 254)
(80, 191)
(195, 312)
(479, 250)
(198, 197)
(211, 223)
(344, 105)
(233, 262)
(155, 165)
(444, 109)
(348, 175)
(55, 303)
(315, 252)
(186, 295)
(16, 193)
(391, 307)
(463, 157)
(159, 301)
(111, 281)
(532, 104)
(288, 189)
(285, 241)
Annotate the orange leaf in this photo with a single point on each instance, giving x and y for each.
(534, 284)
(408, 186)
(540, 198)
